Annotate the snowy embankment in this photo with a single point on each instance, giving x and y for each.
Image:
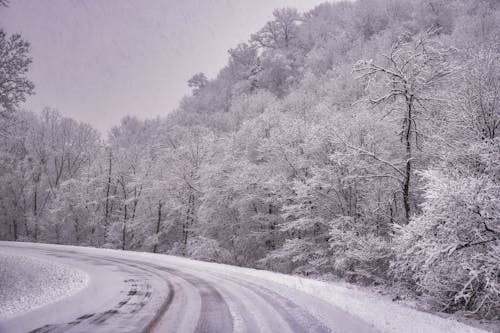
(384, 314)
(27, 283)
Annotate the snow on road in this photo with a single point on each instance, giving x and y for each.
(382, 313)
(188, 295)
(27, 283)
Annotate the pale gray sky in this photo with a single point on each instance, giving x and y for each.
(99, 60)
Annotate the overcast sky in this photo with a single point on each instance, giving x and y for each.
(99, 60)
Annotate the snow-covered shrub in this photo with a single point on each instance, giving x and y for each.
(202, 248)
(114, 237)
(356, 257)
(451, 252)
(299, 256)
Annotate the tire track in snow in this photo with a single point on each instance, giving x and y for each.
(215, 315)
(200, 301)
(137, 297)
(296, 317)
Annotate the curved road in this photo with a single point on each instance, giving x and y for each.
(137, 292)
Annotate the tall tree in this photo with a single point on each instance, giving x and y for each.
(280, 32)
(14, 84)
(405, 86)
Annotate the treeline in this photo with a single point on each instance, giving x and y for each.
(359, 139)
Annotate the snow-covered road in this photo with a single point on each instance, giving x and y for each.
(142, 292)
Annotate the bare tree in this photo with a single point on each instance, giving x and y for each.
(405, 85)
(14, 85)
(281, 31)
(477, 96)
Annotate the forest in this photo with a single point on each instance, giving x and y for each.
(357, 141)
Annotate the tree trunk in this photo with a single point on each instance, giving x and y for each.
(106, 209)
(158, 225)
(124, 230)
(188, 222)
(408, 155)
(14, 225)
(77, 231)
(35, 213)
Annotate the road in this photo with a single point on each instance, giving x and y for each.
(134, 292)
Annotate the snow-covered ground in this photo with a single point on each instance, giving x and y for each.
(384, 314)
(27, 283)
(254, 295)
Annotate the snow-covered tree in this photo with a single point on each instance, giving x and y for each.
(451, 252)
(14, 83)
(405, 86)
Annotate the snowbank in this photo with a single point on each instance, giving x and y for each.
(27, 283)
(385, 315)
